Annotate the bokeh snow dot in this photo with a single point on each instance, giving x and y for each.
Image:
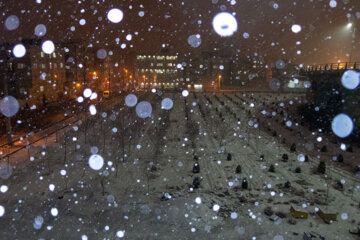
(101, 53)
(48, 47)
(6, 170)
(143, 109)
(131, 100)
(12, 22)
(92, 109)
(120, 234)
(216, 208)
(167, 103)
(296, 28)
(40, 30)
(115, 15)
(87, 92)
(9, 106)
(342, 125)
(2, 211)
(54, 212)
(224, 24)
(185, 93)
(96, 162)
(350, 79)
(19, 50)
(194, 40)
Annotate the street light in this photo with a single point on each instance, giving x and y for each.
(219, 81)
(349, 26)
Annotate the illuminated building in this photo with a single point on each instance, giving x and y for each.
(35, 75)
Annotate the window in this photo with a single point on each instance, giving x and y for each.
(41, 88)
(20, 66)
(42, 54)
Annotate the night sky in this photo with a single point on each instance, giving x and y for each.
(324, 36)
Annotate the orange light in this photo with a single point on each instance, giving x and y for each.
(94, 73)
(78, 84)
(55, 75)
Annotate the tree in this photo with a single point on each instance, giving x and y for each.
(238, 169)
(244, 183)
(196, 182)
(272, 168)
(293, 148)
(321, 167)
(287, 184)
(340, 158)
(196, 168)
(285, 157)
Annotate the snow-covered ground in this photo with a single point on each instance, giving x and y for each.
(123, 198)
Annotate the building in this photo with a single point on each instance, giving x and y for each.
(158, 70)
(35, 78)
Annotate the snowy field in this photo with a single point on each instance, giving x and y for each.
(145, 188)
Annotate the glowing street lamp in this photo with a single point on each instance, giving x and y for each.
(350, 26)
(219, 77)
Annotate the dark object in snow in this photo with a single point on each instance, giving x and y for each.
(166, 196)
(272, 168)
(196, 158)
(298, 214)
(349, 149)
(60, 197)
(340, 158)
(229, 157)
(285, 157)
(196, 182)
(196, 168)
(312, 236)
(306, 158)
(280, 214)
(274, 134)
(283, 141)
(268, 211)
(261, 157)
(298, 170)
(293, 148)
(153, 168)
(357, 170)
(327, 217)
(321, 167)
(355, 231)
(339, 185)
(238, 169)
(244, 183)
(287, 184)
(323, 149)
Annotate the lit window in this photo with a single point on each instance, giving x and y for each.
(41, 88)
(61, 65)
(42, 54)
(20, 66)
(54, 55)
